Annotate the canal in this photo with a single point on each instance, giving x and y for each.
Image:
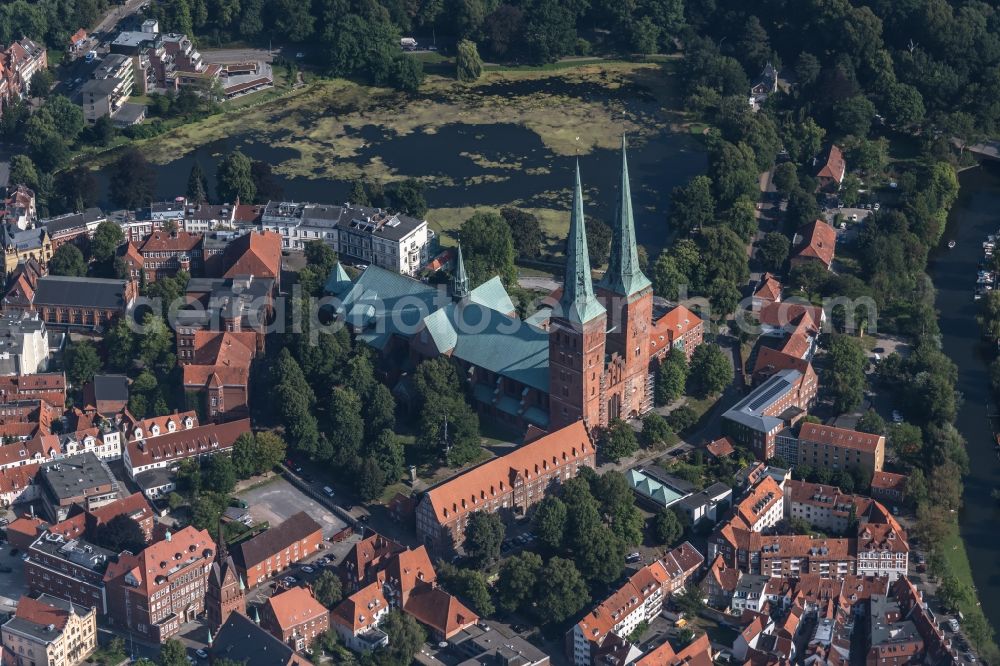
(975, 215)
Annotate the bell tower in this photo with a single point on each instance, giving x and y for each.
(576, 333)
(226, 592)
(627, 295)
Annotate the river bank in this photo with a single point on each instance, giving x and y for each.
(973, 557)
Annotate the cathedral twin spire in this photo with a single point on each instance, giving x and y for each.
(624, 276)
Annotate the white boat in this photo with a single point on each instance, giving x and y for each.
(951, 244)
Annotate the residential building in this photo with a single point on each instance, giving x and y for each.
(277, 548)
(816, 241)
(256, 254)
(150, 461)
(768, 291)
(21, 245)
(720, 582)
(395, 242)
(882, 546)
(164, 253)
(639, 600)
(826, 508)
(765, 86)
(721, 448)
(832, 169)
(155, 592)
(106, 394)
(888, 487)
(47, 386)
(781, 350)
(510, 484)
(295, 617)
(836, 449)
(109, 89)
(679, 328)
(24, 345)
(134, 506)
(18, 484)
(200, 218)
(366, 557)
(72, 301)
(405, 580)
(243, 641)
(782, 318)
(17, 208)
(696, 653)
(750, 594)
(779, 402)
(50, 631)
(82, 480)
(762, 508)
(73, 227)
(20, 62)
(70, 568)
(893, 638)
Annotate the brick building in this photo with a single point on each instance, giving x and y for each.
(68, 567)
(226, 593)
(244, 642)
(295, 617)
(836, 449)
(47, 386)
(776, 404)
(218, 372)
(162, 588)
(164, 253)
(888, 487)
(678, 328)
(82, 480)
(816, 241)
(71, 301)
(509, 484)
(277, 548)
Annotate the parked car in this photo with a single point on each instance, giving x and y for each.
(201, 653)
(328, 491)
(896, 416)
(633, 557)
(308, 569)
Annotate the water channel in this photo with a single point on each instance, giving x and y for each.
(975, 215)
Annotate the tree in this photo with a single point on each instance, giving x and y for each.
(785, 178)
(692, 206)
(549, 522)
(68, 260)
(132, 183)
(618, 441)
(598, 241)
(82, 362)
(671, 376)
(173, 653)
(245, 456)
(872, 423)
(844, 378)
(602, 556)
(121, 533)
(220, 475)
(41, 82)
(741, 219)
(904, 105)
(952, 593)
(23, 171)
(667, 527)
(467, 61)
(327, 589)
(75, 190)
(525, 231)
(654, 430)
(468, 584)
(197, 185)
(484, 532)
(233, 179)
(406, 637)
(270, 450)
(710, 371)
(407, 196)
(853, 116)
(773, 250)
(347, 428)
(488, 249)
(406, 73)
(370, 479)
(67, 117)
(518, 580)
(561, 591)
(682, 418)
(103, 131)
(107, 237)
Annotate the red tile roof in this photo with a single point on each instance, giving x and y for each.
(671, 326)
(358, 611)
(697, 653)
(166, 241)
(255, 253)
(889, 481)
(770, 288)
(186, 443)
(223, 354)
(721, 447)
(761, 498)
(835, 165)
(295, 606)
(780, 315)
(819, 241)
(153, 565)
(465, 492)
(40, 613)
(440, 611)
(841, 437)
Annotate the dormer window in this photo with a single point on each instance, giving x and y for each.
(138, 433)
(171, 426)
(155, 430)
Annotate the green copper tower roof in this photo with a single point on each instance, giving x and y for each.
(459, 279)
(624, 276)
(578, 302)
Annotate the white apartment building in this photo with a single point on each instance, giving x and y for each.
(395, 242)
(24, 345)
(882, 551)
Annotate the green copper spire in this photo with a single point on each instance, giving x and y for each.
(578, 302)
(624, 275)
(256, 615)
(459, 280)
(209, 638)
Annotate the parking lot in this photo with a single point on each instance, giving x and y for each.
(278, 499)
(12, 583)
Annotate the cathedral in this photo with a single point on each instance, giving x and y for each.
(585, 355)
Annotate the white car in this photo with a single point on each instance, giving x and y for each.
(308, 569)
(201, 653)
(896, 416)
(854, 218)
(876, 206)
